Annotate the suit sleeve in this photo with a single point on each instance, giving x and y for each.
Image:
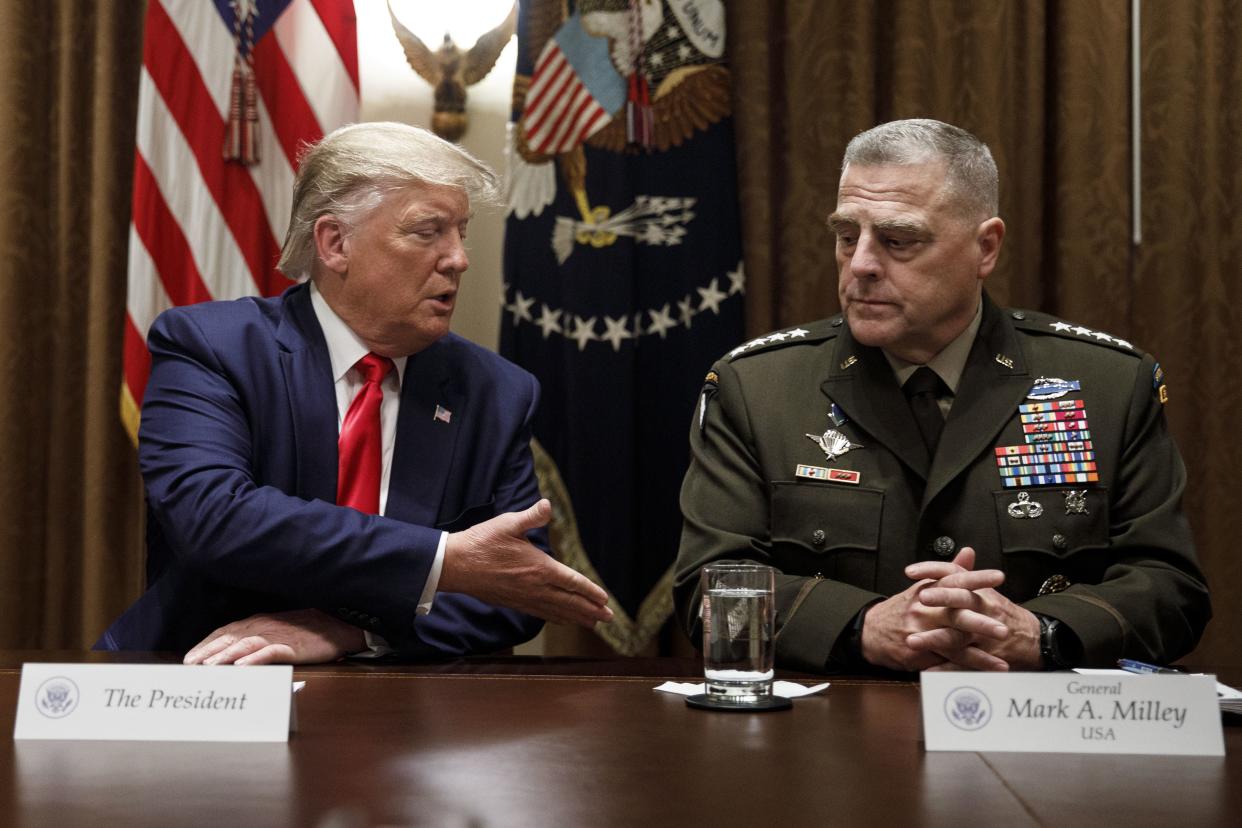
(725, 506)
(1152, 601)
(199, 460)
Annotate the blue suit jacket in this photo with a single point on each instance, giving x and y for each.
(237, 448)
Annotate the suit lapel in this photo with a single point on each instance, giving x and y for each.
(994, 382)
(422, 457)
(312, 396)
(861, 382)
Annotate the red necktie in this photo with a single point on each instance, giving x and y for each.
(361, 444)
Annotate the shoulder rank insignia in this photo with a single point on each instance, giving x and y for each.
(1081, 331)
(779, 336)
(1036, 322)
(810, 332)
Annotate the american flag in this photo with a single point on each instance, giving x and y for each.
(574, 91)
(204, 227)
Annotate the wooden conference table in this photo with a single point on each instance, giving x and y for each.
(579, 742)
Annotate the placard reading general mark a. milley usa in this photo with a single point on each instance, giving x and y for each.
(154, 702)
(1072, 713)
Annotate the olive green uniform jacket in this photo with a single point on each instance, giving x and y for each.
(1135, 588)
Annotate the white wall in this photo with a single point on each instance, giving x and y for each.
(391, 91)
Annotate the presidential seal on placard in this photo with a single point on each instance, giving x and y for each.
(968, 708)
(57, 697)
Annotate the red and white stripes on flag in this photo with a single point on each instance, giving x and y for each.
(574, 90)
(203, 227)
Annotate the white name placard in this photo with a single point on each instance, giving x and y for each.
(1071, 713)
(148, 702)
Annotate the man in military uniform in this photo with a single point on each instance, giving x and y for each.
(939, 482)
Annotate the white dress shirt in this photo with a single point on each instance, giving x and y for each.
(345, 349)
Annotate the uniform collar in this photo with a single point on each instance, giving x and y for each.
(992, 382)
(949, 363)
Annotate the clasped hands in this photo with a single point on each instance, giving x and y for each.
(951, 618)
(492, 561)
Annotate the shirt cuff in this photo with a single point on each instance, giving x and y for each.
(377, 646)
(433, 577)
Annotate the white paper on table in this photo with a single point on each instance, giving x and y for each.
(785, 689)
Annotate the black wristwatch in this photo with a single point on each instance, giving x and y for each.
(1050, 643)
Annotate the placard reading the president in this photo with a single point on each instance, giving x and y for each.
(144, 702)
(1071, 713)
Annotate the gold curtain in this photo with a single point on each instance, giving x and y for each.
(70, 551)
(1047, 86)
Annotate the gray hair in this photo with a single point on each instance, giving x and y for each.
(348, 173)
(970, 175)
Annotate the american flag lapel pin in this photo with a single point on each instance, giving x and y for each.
(442, 414)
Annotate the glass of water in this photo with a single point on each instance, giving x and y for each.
(738, 625)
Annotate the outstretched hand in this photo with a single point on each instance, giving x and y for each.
(494, 562)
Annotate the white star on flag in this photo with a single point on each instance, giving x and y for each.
(520, 308)
(549, 321)
(584, 331)
(711, 297)
(616, 331)
(686, 311)
(660, 321)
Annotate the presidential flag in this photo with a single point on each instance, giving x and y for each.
(623, 271)
(230, 93)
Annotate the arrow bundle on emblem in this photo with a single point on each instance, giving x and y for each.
(652, 220)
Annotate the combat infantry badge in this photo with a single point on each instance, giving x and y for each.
(1050, 388)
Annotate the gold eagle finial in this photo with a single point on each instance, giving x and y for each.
(450, 70)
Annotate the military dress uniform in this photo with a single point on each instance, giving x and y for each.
(1055, 464)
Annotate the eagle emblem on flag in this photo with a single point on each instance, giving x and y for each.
(623, 274)
(614, 75)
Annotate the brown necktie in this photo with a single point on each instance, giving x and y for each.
(921, 390)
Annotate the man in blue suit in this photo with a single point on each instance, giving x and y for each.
(250, 559)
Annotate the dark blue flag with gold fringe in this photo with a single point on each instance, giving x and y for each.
(623, 273)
